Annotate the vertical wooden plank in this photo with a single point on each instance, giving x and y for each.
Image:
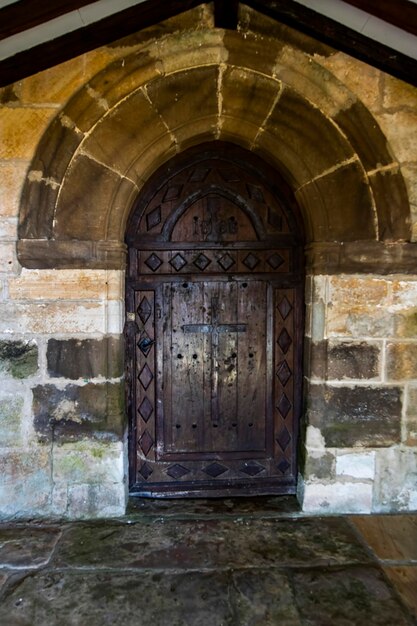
(227, 365)
(252, 362)
(187, 392)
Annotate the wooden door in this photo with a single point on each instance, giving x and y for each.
(214, 295)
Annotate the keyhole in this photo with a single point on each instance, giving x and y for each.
(179, 356)
(195, 356)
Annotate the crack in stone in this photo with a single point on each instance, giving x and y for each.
(262, 127)
(222, 69)
(144, 90)
(331, 170)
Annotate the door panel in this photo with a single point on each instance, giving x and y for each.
(214, 355)
(214, 331)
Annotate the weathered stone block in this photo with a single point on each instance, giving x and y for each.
(15, 143)
(353, 360)
(10, 420)
(254, 51)
(67, 285)
(357, 292)
(86, 501)
(337, 497)
(116, 138)
(356, 465)
(8, 259)
(53, 317)
(320, 198)
(401, 130)
(411, 416)
(364, 135)
(362, 79)
(313, 136)
(247, 96)
(18, 358)
(396, 480)
(405, 324)
(315, 359)
(401, 361)
(93, 411)
(25, 487)
(356, 416)
(397, 93)
(88, 462)
(12, 178)
(319, 466)
(85, 358)
(86, 178)
(390, 194)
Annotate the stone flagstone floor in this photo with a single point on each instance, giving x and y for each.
(254, 562)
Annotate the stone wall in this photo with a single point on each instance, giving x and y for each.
(62, 421)
(361, 368)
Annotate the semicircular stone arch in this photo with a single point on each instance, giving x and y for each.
(140, 111)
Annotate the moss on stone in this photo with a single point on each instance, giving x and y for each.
(19, 358)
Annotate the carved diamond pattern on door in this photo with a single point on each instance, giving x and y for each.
(202, 261)
(146, 409)
(153, 262)
(215, 469)
(284, 372)
(178, 262)
(145, 377)
(284, 340)
(144, 310)
(284, 307)
(145, 471)
(177, 471)
(284, 405)
(146, 442)
(214, 269)
(251, 261)
(226, 261)
(153, 218)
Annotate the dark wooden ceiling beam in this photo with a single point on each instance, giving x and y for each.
(339, 37)
(80, 41)
(19, 16)
(226, 13)
(152, 12)
(400, 13)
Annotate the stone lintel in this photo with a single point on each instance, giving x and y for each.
(71, 254)
(361, 257)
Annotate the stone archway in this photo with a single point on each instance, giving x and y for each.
(140, 111)
(268, 95)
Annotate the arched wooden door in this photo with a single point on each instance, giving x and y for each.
(214, 328)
